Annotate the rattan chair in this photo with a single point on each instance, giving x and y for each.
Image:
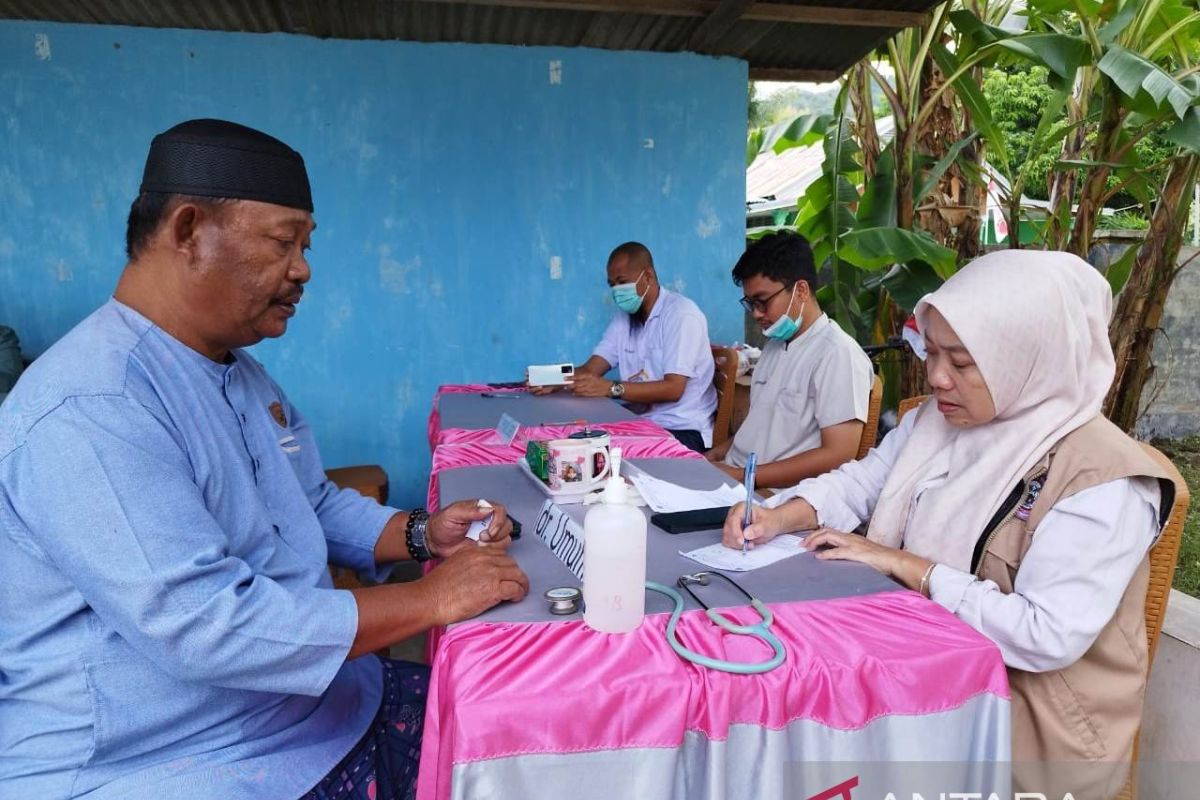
(1163, 558)
(1165, 553)
(871, 427)
(725, 363)
(908, 404)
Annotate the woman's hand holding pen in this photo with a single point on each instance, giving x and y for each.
(794, 516)
(764, 526)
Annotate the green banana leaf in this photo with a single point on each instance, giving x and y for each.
(939, 169)
(1134, 74)
(972, 97)
(906, 283)
(876, 248)
(1186, 132)
(1063, 55)
(1119, 271)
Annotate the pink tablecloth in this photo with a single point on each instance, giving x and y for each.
(453, 448)
(554, 709)
(434, 425)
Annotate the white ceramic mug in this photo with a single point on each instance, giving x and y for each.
(579, 464)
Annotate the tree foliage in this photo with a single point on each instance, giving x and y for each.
(1018, 94)
(1094, 106)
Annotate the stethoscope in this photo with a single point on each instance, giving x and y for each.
(759, 630)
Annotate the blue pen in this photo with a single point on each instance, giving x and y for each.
(748, 479)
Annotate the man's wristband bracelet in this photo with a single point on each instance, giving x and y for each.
(414, 535)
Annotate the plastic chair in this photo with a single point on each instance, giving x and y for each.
(871, 427)
(725, 362)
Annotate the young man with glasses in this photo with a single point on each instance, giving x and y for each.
(809, 396)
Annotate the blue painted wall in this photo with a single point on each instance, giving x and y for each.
(446, 178)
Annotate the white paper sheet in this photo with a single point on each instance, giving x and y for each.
(718, 556)
(664, 496)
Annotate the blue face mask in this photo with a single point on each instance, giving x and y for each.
(626, 296)
(785, 327)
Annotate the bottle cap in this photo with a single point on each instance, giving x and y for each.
(615, 491)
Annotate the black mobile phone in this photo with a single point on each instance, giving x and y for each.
(516, 534)
(701, 519)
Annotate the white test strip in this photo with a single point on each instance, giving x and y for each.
(479, 526)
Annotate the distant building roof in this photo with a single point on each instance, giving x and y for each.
(778, 181)
(774, 183)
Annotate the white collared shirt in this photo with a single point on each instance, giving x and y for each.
(819, 379)
(673, 340)
(1084, 553)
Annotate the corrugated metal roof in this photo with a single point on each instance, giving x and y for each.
(779, 180)
(766, 34)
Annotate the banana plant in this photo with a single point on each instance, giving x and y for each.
(1121, 70)
(850, 219)
(1131, 72)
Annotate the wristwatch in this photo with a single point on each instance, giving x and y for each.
(617, 390)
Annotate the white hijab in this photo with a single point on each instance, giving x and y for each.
(1036, 324)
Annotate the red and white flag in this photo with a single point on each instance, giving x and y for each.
(912, 337)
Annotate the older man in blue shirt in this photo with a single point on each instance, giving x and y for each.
(168, 627)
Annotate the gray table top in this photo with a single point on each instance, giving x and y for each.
(476, 412)
(801, 577)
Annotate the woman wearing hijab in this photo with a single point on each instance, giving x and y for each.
(1008, 499)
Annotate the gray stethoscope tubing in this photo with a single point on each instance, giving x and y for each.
(759, 630)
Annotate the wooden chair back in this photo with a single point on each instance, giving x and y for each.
(370, 481)
(725, 363)
(871, 428)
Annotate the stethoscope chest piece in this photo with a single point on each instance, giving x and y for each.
(563, 600)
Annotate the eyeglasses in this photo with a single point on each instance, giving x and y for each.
(754, 304)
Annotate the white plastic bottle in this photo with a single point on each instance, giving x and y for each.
(614, 558)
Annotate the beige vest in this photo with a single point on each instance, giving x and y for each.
(1074, 728)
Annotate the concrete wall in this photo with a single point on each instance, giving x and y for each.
(467, 197)
(1173, 395)
(1171, 400)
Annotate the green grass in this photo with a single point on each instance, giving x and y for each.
(1124, 221)
(1185, 453)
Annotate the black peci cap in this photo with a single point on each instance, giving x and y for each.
(215, 158)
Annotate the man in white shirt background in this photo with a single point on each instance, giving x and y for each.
(811, 387)
(658, 343)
